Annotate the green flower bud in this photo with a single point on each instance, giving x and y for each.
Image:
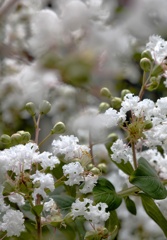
(103, 107)
(116, 103)
(58, 128)
(90, 166)
(102, 167)
(105, 92)
(30, 107)
(5, 139)
(25, 136)
(112, 137)
(154, 83)
(145, 64)
(16, 139)
(95, 171)
(146, 54)
(124, 92)
(44, 107)
(157, 70)
(148, 125)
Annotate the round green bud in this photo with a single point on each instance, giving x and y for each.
(146, 54)
(148, 125)
(5, 139)
(124, 92)
(157, 70)
(44, 107)
(145, 64)
(16, 139)
(103, 107)
(95, 171)
(102, 167)
(58, 128)
(105, 92)
(112, 137)
(30, 107)
(90, 166)
(116, 102)
(25, 136)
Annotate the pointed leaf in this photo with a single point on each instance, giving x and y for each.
(125, 167)
(104, 191)
(153, 212)
(146, 178)
(37, 209)
(112, 224)
(130, 205)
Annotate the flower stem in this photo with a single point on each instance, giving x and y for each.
(134, 154)
(128, 191)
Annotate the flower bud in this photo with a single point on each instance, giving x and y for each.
(148, 125)
(116, 102)
(16, 139)
(95, 171)
(103, 107)
(90, 166)
(105, 92)
(102, 167)
(5, 139)
(124, 92)
(154, 83)
(44, 107)
(145, 64)
(25, 136)
(112, 137)
(157, 70)
(30, 107)
(146, 54)
(58, 128)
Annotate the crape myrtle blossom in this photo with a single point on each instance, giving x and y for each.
(75, 174)
(13, 223)
(95, 213)
(69, 147)
(20, 158)
(16, 198)
(45, 181)
(121, 151)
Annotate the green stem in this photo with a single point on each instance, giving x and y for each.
(128, 191)
(37, 129)
(46, 138)
(134, 155)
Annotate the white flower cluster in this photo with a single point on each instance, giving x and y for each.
(75, 174)
(13, 222)
(95, 213)
(20, 158)
(121, 152)
(69, 147)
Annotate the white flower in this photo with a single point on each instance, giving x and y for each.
(47, 160)
(49, 205)
(121, 151)
(18, 158)
(89, 183)
(68, 146)
(95, 213)
(73, 171)
(158, 48)
(46, 181)
(16, 198)
(13, 221)
(129, 103)
(113, 117)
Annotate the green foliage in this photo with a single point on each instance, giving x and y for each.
(146, 178)
(130, 205)
(153, 212)
(104, 191)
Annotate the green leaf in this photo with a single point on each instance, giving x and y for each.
(146, 178)
(90, 235)
(26, 210)
(37, 209)
(104, 191)
(130, 205)
(112, 224)
(153, 212)
(63, 202)
(125, 167)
